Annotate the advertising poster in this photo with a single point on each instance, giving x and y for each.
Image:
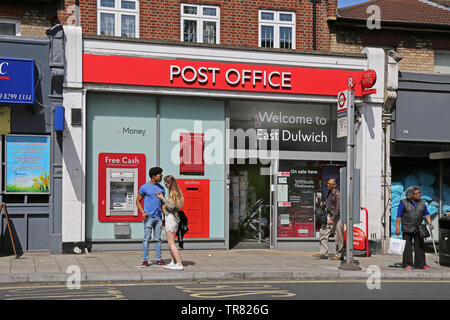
(300, 190)
(27, 164)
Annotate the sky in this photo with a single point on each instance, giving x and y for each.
(346, 3)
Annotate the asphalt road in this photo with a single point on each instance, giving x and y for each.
(227, 291)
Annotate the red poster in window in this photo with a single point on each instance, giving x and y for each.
(192, 148)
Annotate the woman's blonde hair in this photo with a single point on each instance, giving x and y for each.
(175, 194)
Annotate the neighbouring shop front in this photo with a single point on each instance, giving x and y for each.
(250, 143)
(30, 148)
(421, 138)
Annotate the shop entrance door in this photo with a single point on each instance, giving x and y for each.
(251, 204)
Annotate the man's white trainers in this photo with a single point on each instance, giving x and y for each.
(176, 267)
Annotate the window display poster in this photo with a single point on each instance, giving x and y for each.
(27, 164)
(301, 188)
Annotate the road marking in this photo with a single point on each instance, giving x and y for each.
(62, 293)
(208, 291)
(137, 284)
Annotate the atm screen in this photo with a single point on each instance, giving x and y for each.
(121, 196)
(118, 199)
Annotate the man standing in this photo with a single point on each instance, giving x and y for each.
(333, 225)
(151, 213)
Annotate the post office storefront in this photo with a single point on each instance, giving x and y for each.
(241, 133)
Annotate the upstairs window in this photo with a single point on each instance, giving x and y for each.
(200, 23)
(442, 62)
(9, 27)
(118, 18)
(276, 29)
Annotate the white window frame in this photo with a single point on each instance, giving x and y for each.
(15, 22)
(200, 18)
(276, 23)
(445, 52)
(118, 12)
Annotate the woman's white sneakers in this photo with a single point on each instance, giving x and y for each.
(176, 267)
(173, 266)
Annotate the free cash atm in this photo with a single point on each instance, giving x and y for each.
(121, 191)
(120, 177)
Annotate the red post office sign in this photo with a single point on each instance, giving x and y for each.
(216, 75)
(369, 78)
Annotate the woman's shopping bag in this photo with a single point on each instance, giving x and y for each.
(396, 246)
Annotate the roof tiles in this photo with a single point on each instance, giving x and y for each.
(401, 11)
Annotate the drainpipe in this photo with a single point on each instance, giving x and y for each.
(314, 24)
(391, 87)
(77, 13)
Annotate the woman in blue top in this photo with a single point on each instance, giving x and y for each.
(411, 212)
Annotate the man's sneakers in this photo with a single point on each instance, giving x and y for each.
(144, 264)
(160, 263)
(336, 258)
(320, 256)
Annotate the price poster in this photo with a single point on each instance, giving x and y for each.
(27, 164)
(299, 191)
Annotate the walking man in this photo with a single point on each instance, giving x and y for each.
(334, 224)
(151, 213)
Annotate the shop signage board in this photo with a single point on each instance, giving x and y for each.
(16, 80)
(369, 79)
(215, 75)
(283, 126)
(27, 164)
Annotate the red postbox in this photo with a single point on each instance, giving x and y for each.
(196, 206)
(119, 177)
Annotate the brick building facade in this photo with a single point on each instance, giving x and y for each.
(31, 18)
(419, 40)
(160, 20)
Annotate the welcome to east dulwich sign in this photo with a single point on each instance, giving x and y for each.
(215, 75)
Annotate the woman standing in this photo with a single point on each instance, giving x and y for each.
(171, 207)
(411, 212)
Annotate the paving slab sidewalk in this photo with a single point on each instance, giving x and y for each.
(204, 265)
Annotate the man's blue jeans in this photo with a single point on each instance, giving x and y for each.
(152, 224)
